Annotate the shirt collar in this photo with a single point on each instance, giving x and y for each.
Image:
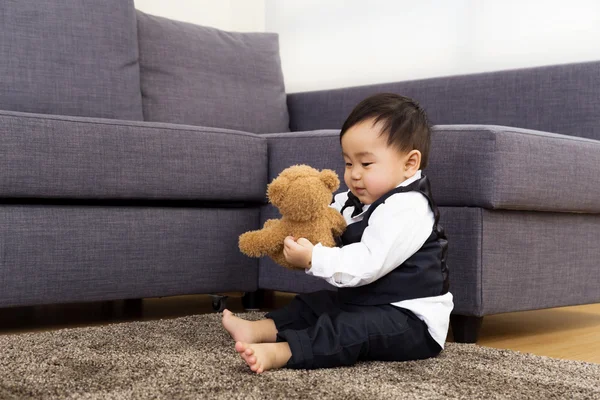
(410, 180)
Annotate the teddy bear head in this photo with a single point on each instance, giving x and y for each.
(302, 193)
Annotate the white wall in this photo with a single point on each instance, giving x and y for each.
(230, 15)
(336, 43)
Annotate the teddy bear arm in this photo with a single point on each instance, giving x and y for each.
(262, 242)
(270, 223)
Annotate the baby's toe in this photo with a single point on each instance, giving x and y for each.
(240, 347)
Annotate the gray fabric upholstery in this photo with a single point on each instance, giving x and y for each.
(71, 157)
(54, 254)
(319, 149)
(561, 99)
(492, 167)
(72, 58)
(534, 260)
(204, 76)
(463, 227)
(275, 277)
(509, 168)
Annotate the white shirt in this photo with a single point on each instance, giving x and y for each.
(383, 247)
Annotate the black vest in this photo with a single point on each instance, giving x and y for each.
(424, 274)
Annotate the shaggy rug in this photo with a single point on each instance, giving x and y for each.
(193, 358)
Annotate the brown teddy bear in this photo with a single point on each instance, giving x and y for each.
(302, 194)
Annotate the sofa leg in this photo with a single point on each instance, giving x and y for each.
(465, 328)
(253, 300)
(133, 307)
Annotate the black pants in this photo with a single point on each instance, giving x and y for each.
(324, 333)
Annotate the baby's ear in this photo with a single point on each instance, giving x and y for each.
(276, 189)
(330, 179)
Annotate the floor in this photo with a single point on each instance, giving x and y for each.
(569, 332)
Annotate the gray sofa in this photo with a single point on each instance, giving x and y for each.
(135, 150)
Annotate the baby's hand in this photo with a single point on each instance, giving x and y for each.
(298, 253)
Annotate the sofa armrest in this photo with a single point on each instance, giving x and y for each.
(562, 98)
(499, 167)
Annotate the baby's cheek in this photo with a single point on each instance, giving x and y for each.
(375, 186)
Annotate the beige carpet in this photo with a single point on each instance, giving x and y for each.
(192, 357)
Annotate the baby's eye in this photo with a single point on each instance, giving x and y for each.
(366, 164)
(348, 164)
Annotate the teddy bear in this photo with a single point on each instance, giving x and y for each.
(302, 194)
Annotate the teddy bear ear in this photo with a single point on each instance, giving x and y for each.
(276, 189)
(330, 179)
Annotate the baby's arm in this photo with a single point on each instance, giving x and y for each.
(397, 229)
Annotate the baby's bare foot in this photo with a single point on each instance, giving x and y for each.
(239, 329)
(262, 357)
(245, 352)
(249, 331)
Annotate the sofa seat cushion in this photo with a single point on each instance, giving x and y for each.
(492, 167)
(74, 57)
(205, 76)
(58, 254)
(85, 158)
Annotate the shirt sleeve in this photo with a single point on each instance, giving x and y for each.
(397, 229)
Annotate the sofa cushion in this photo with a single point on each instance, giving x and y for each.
(493, 167)
(204, 76)
(57, 254)
(73, 57)
(85, 158)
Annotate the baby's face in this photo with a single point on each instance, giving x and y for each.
(372, 167)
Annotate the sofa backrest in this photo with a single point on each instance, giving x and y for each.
(197, 75)
(559, 99)
(76, 57)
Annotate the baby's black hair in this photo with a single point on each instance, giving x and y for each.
(404, 122)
